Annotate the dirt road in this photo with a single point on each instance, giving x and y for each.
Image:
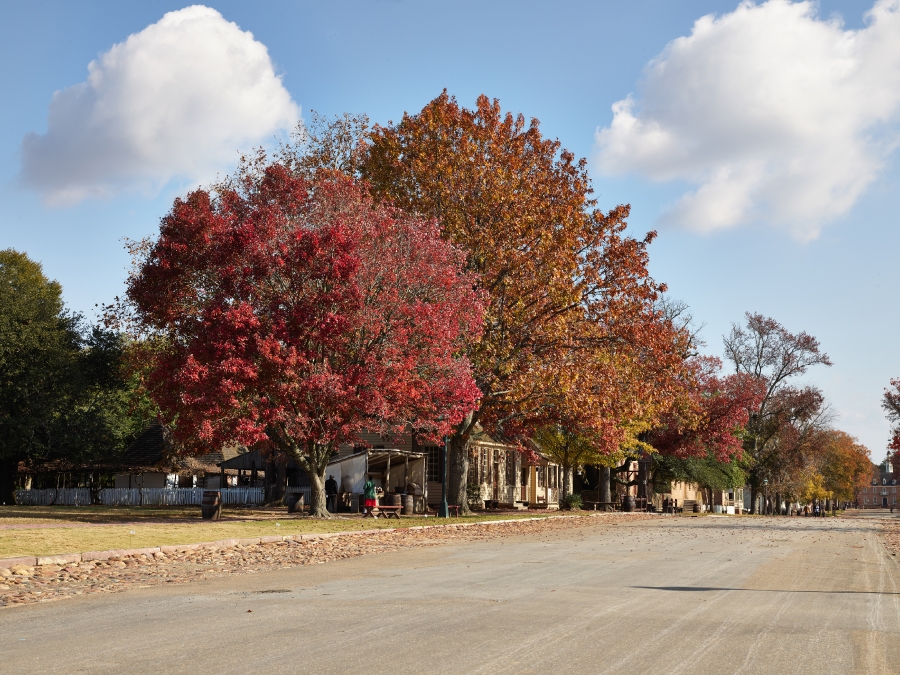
(668, 595)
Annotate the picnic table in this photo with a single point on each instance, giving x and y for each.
(602, 506)
(386, 511)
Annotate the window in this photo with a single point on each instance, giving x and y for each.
(510, 469)
(433, 468)
(884, 481)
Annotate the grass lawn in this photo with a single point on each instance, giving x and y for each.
(124, 527)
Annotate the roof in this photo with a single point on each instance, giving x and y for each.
(154, 450)
(226, 453)
(377, 451)
(481, 437)
(254, 459)
(148, 449)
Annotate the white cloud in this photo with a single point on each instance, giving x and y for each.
(774, 114)
(176, 100)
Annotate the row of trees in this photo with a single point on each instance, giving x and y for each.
(442, 274)
(65, 394)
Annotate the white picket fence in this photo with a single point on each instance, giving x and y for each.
(61, 497)
(151, 496)
(139, 497)
(177, 496)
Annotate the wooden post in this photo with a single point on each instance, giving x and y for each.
(405, 472)
(387, 475)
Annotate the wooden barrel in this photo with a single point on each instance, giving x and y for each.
(408, 505)
(211, 506)
(393, 499)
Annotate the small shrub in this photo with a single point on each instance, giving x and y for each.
(473, 496)
(572, 502)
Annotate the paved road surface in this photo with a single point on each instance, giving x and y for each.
(673, 595)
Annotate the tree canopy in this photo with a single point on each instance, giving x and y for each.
(295, 313)
(787, 416)
(570, 322)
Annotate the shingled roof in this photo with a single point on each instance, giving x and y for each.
(154, 450)
(149, 449)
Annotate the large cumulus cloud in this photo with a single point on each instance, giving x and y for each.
(176, 100)
(772, 113)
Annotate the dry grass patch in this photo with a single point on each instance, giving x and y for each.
(100, 537)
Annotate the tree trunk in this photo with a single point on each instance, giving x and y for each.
(754, 498)
(567, 482)
(280, 487)
(458, 472)
(317, 466)
(317, 496)
(9, 469)
(605, 486)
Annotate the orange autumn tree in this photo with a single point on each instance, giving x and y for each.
(565, 285)
(846, 467)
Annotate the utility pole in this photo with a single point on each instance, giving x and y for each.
(444, 510)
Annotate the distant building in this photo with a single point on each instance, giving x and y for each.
(881, 493)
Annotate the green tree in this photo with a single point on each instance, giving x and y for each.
(63, 392)
(707, 472)
(568, 449)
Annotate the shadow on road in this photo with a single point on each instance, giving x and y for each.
(756, 590)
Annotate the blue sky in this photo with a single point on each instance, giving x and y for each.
(760, 143)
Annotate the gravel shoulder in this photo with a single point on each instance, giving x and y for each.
(25, 584)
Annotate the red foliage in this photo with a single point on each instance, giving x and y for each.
(298, 313)
(711, 413)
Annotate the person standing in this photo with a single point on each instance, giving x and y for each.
(369, 497)
(331, 490)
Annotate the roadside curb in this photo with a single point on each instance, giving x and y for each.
(88, 556)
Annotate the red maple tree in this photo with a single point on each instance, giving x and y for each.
(707, 417)
(296, 313)
(891, 405)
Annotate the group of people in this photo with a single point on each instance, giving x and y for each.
(816, 510)
(370, 495)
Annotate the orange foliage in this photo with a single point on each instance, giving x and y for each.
(570, 323)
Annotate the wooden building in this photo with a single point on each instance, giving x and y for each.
(500, 475)
(152, 461)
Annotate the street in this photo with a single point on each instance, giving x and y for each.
(668, 595)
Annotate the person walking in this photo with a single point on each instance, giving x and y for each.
(331, 490)
(369, 497)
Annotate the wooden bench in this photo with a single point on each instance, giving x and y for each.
(688, 506)
(602, 506)
(453, 509)
(386, 511)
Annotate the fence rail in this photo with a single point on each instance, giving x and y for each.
(140, 496)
